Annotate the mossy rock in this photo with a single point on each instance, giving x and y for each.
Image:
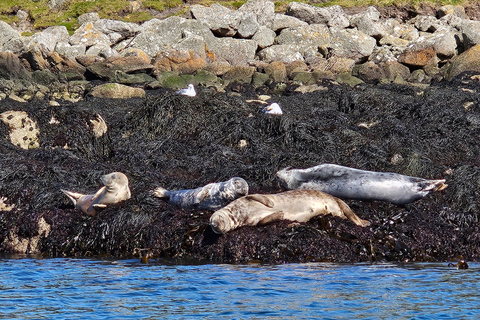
(205, 78)
(137, 78)
(303, 77)
(172, 81)
(44, 77)
(259, 79)
(347, 78)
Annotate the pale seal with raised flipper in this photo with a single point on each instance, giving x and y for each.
(210, 197)
(350, 183)
(294, 205)
(115, 189)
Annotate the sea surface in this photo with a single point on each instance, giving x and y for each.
(68, 288)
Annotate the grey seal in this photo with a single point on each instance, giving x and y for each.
(115, 189)
(294, 205)
(350, 183)
(210, 197)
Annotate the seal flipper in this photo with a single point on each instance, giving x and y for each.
(276, 216)
(260, 198)
(161, 193)
(349, 214)
(74, 196)
(202, 195)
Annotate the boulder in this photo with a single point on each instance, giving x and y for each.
(314, 35)
(457, 11)
(339, 18)
(281, 21)
(467, 61)
(248, 25)
(88, 17)
(234, 51)
(88, 35)
(11, 67)
(369, 72)
(263, 10)
(417, 55)
(241, 74)
(108, 70)
(65, 49)
(222, 21)
(283, 53)
(264, 37)
(102, 50)
(116, 30)
(368, 22)
(117, 91)
(470, 33)
(48, 38)
(395, 70)
(10, 39)
(352, 44)
(156, 35)
(178, 61)
(277, 71)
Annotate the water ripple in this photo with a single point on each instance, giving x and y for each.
(126, 289)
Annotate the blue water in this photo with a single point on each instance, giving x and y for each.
(128, 289)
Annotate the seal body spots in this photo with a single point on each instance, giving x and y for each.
(295, 205)
(349, 183)
(210, 197)
(115, 189)
(189, 91)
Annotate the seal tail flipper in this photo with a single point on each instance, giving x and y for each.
(161, 193)
(74, 196)
(271, 218)
(434, 185)
(351, 215)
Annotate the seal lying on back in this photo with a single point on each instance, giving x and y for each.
(213, 196)
(115, 189)
(295, 205)
(349, 183)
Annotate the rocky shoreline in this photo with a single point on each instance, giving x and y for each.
(218, 46)
(73, 130)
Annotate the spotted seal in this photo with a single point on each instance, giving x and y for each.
(210, 197)
(115, 189)
(294, 205)
(350, 183)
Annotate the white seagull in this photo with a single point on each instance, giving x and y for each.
(274, 108)
(189, 91)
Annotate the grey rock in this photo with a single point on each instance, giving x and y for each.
(11, 67)
(283, 53)
(264, 37)
(471, 33)
(401, 30)
(237, 52)
(192, 42)
(88, 35)
(308, 13)
(281, 21)
(88, 17)
(10, 39)
(222, 21)
(457, 11)
(54, 4)
(67, 50)
(351, 43)
(248, 25)
(116, 30)
(313, 35)
(156, 34)
(264, 10)
(368, 23)
(48, 38)
(428, 23)
(339, 18)
(102, 50)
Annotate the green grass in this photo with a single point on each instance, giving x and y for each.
(68, 14)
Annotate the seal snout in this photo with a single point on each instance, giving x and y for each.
(218, 222)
